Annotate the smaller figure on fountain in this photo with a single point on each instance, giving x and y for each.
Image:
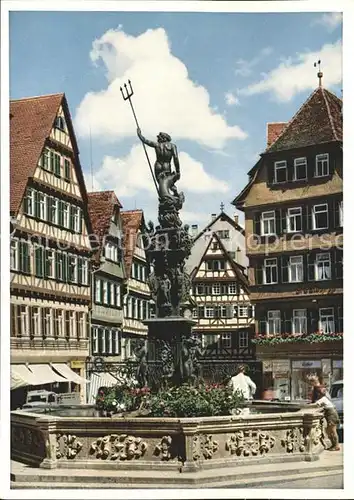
(165, 291)
(140, 352)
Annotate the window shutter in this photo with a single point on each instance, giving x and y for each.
(79, 270)
(287, 320)
(285, 268)
(26, 264)
(49, 201)
(278, 221)
(338, 264)
(51, 164)
(257, 223)
(270, 168)
(81, 215)
(60, 214)
(200, 312)
(71, 217)
(46, 264)
(258, 275)
(39, 262)
(57, 165)
(311, 267)
(56, 260)
(25, 202)
(64, 258)
(308, 211)
(36, 204)
(312, 320)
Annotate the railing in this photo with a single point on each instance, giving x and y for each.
(61, 344)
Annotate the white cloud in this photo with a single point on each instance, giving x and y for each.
(245, 67)
(330, 20)
(231, 99)
(298, 74)
(165, 98)
(130, 175)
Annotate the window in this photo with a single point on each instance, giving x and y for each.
(214, 246)
(232, 288)
(58, 323)
(72, 268)
(200, 289)
(299, 323)
(14, 255)
(243, 311)
(81, 333)
(47, 322)
(45, 162)
(320, 216)
(75, 219)
(224, 234)
(130, 307)
(300, 169)
(225, 340)
(39, 261)
(84, 272)
(280, 172)
(56, 164)
(293, 220)
(72, 328)
(341, 213)
(98, 291)
(36, 321)
(118, 301)
(209, 312)
(268, 223)
(94, 341)
(270, 271)
(60, 123)
(24, 263)
(116, 342)
(42, 206)
(216, 288)
(195, 313)
(23, 323)
(243, 340)
(67, 169)
(216, 265)
(66, 218)
(274, 325)
(111, 294)
(296, 269)
(322, 165)
(52, 209)
(105, 292)
(29, 202)
(326, 323)
(323, 267)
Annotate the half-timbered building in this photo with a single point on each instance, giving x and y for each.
(220, 290)
(293, 206)
(50, 247)
(137, 293)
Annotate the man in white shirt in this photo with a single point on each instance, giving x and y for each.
(243, 383)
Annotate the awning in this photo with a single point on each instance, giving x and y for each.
(68, 373)
(45, 375)
(21, 377)
(98, 380)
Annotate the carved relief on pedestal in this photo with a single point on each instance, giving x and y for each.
(294, 440)
(67, 446)
(246, 443)
(163, 448)
(318, 434)
(207, 446)
(118, 447)
(28, 440)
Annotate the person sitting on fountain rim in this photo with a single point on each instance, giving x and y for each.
(331, 416)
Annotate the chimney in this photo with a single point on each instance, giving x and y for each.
(236, 218)
(194, 230)
(274, 130)
(213, 216)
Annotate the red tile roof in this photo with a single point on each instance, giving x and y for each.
(31, 120)
(131, 222)
(274, 130)
(319, 120)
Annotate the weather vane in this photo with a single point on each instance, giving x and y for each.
(319, 74)
(127, 94)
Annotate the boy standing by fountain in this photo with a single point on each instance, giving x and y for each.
(331, 416)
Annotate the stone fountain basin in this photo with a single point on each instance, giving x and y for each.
(165, 444)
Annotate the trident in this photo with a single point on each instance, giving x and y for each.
(127, 96)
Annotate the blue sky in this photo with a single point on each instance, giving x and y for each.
(212, 80)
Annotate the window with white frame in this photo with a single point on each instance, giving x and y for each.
(23, 320)
(118, 301)
(29, 202)
(323, 267)
(340, 208)
(111, 293)
(105, 292)
(59, 323)
(48, 322)
(294, 220)
(299, 323)
(98, 291)
(199, 289)
(76, 219)
(66, 217)
(209, 312)
(42, 206)
(216, 288)
(72, 331)
(195, 313)
(36, 321)
(232, 288)
(72, 268)
(84, 272)
(300, 169)
(320, 216)
(14, 255)
(243, 340)
(243, 311)
(109, 341)
(296, 269)
(215, 265)
(95, 349)
(274, 323)
(45, 159)
(326, 323)
(225, 339)
(130, 307)
(49, 263)
(268, 223)
(117, 342)
(82, 324)
(270, 271)
(53, 209)
(280, 172)
(322, 165)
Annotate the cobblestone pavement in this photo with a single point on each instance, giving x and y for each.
(329, 482)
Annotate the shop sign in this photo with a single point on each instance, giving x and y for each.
(337, 363)
(77, 364)
(306, 364)
(281, 365)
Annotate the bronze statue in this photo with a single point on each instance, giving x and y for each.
(140, 352)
